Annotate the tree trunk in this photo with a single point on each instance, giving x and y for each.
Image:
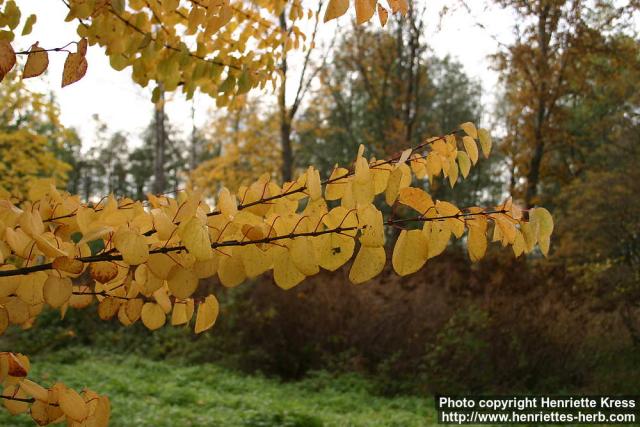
(159, 183)
(193, 157)
(285, 119)
(287, 152)
(542, 70)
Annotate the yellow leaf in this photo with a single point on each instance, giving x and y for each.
(182, 312)
(75, 67)
(133, 309)
(365, 10)
(542, 221)
(108, 307)
(303, 256)
(507, 228)
(433, 164)
(182, 282)
(464, 162)
(437, 234)
(31, 287)
(399, 6)
(161, 295)
(73, 405)
(335, 190)
(470, 129)
(380, 173)
(368, 264)
(34, 390)
(383, 15)
(82, 46)
(518, 244)
(333, 250)
(132, 246)
(416, 198)
(7, 58)
(335, 9)
(153, 316)
(15, 407)
(103, 271)
(285, 272)
(399, 179)
(477, 237)
(255, 260)
(28, 25)
(313, 183)
(37, 62)
(471, 148)
(231, 269)
(453, 173)
(31, 223)
(363, 192)
(204, 269)
(227, 203)
(18, 365)
(57, 291)
(102, 413)
(17, 310)
(68, 265)
(485, 141)
(195, 237)
(410, 252)
(207, 314)
(160, 265)
(528, 234)
(163, 224)
(8, 284)
(372, 233)
(453, 221)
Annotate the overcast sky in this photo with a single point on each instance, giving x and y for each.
(127, 107)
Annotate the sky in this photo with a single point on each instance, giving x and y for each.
(127, 107)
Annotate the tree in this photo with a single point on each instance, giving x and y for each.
(241, 144)
(603, 251)
(381, 88)
(540, 70)
(33, 142)
(142, 262)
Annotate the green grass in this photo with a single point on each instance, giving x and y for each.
(151, 393)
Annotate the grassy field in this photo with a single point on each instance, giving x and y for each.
(148, 393)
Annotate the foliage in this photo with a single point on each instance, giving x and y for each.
(147, 263)
(155, 39)
(145, 260)
(222, 397)
(384, 90)
(33, 142)
(560, 53)
(242, 146)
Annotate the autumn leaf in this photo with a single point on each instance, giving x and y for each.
(28, 25)
(365, 10)
(383, 15)
(368, 264)
(471, 148)
(485, 141)
(207, 314)
(410, 252)
(7, 58)
(153, 316)
(75, 67)
(335, 9)
(37, 62)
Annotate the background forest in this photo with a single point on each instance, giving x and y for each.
(566, 129)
